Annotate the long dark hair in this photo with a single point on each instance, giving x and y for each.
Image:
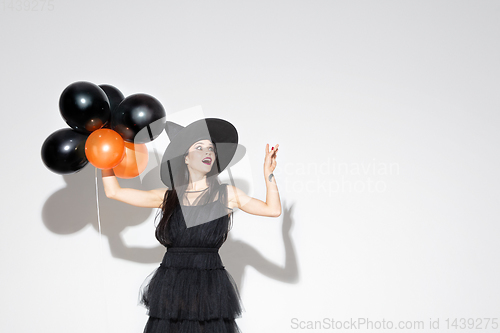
(180, 177)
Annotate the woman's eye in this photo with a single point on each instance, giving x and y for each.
(212, 148)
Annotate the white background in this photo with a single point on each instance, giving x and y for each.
(405, 94)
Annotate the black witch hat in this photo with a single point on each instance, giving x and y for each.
(221, 132)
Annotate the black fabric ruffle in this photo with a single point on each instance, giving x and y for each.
(190, 326)
(191, 286)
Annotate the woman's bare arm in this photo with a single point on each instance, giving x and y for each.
(131, 196)
(272, 206)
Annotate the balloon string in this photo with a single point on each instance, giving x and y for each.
(156, 153)
(101, 252)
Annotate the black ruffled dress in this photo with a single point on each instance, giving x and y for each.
(191, 291)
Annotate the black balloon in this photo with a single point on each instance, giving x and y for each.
(139, 113)
(84, 106)
(115, 97)
(63, 151)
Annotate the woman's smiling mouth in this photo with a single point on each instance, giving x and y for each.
(207, 160)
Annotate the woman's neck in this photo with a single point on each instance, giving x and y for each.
(197, 185)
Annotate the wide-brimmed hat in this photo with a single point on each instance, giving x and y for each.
(221, 132)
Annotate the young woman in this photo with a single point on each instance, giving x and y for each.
(191, 291)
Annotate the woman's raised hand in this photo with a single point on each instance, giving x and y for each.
(270, 160)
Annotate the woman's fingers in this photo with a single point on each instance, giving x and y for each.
(275, 150)
(271, 153)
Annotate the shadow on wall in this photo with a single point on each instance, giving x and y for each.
(236, 255)
(74, 207)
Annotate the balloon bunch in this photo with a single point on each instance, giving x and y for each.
(107, 130)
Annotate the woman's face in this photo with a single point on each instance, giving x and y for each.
(201, 156)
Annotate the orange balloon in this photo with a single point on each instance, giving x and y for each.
(135, 161)
(105, 148)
